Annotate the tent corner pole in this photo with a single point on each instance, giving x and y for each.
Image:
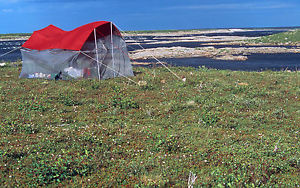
(112, 46)
(97, 57)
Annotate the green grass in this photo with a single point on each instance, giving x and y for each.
(14, 35)
(231, 129)
(286, 37)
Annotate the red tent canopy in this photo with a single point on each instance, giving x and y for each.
(53, 37)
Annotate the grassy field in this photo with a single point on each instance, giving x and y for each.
(286, 37)
(230, 129)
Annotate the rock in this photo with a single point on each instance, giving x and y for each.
(242, 84)
(232, 57)
(142, 83)
(191, 103)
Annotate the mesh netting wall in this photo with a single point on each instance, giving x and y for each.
(113, 58)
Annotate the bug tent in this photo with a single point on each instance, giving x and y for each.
(95, 50)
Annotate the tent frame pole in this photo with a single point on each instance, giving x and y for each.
(109, 67)
(112, 47)
(97, 57)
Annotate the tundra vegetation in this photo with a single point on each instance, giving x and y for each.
(280, 38)
(228, 128)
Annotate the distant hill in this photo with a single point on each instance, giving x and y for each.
(286, 37)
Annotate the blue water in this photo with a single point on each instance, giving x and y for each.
(255, 62)
(6, 46)
(133, 47)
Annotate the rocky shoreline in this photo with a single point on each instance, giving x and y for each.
(237, 47)
(239, 54)
(14, 39)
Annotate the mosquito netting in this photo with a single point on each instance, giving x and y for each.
(103, 58)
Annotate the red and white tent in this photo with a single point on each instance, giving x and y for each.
(94, 50)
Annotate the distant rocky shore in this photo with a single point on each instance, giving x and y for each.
(236, 47)
(227, 53)
(13, 39)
